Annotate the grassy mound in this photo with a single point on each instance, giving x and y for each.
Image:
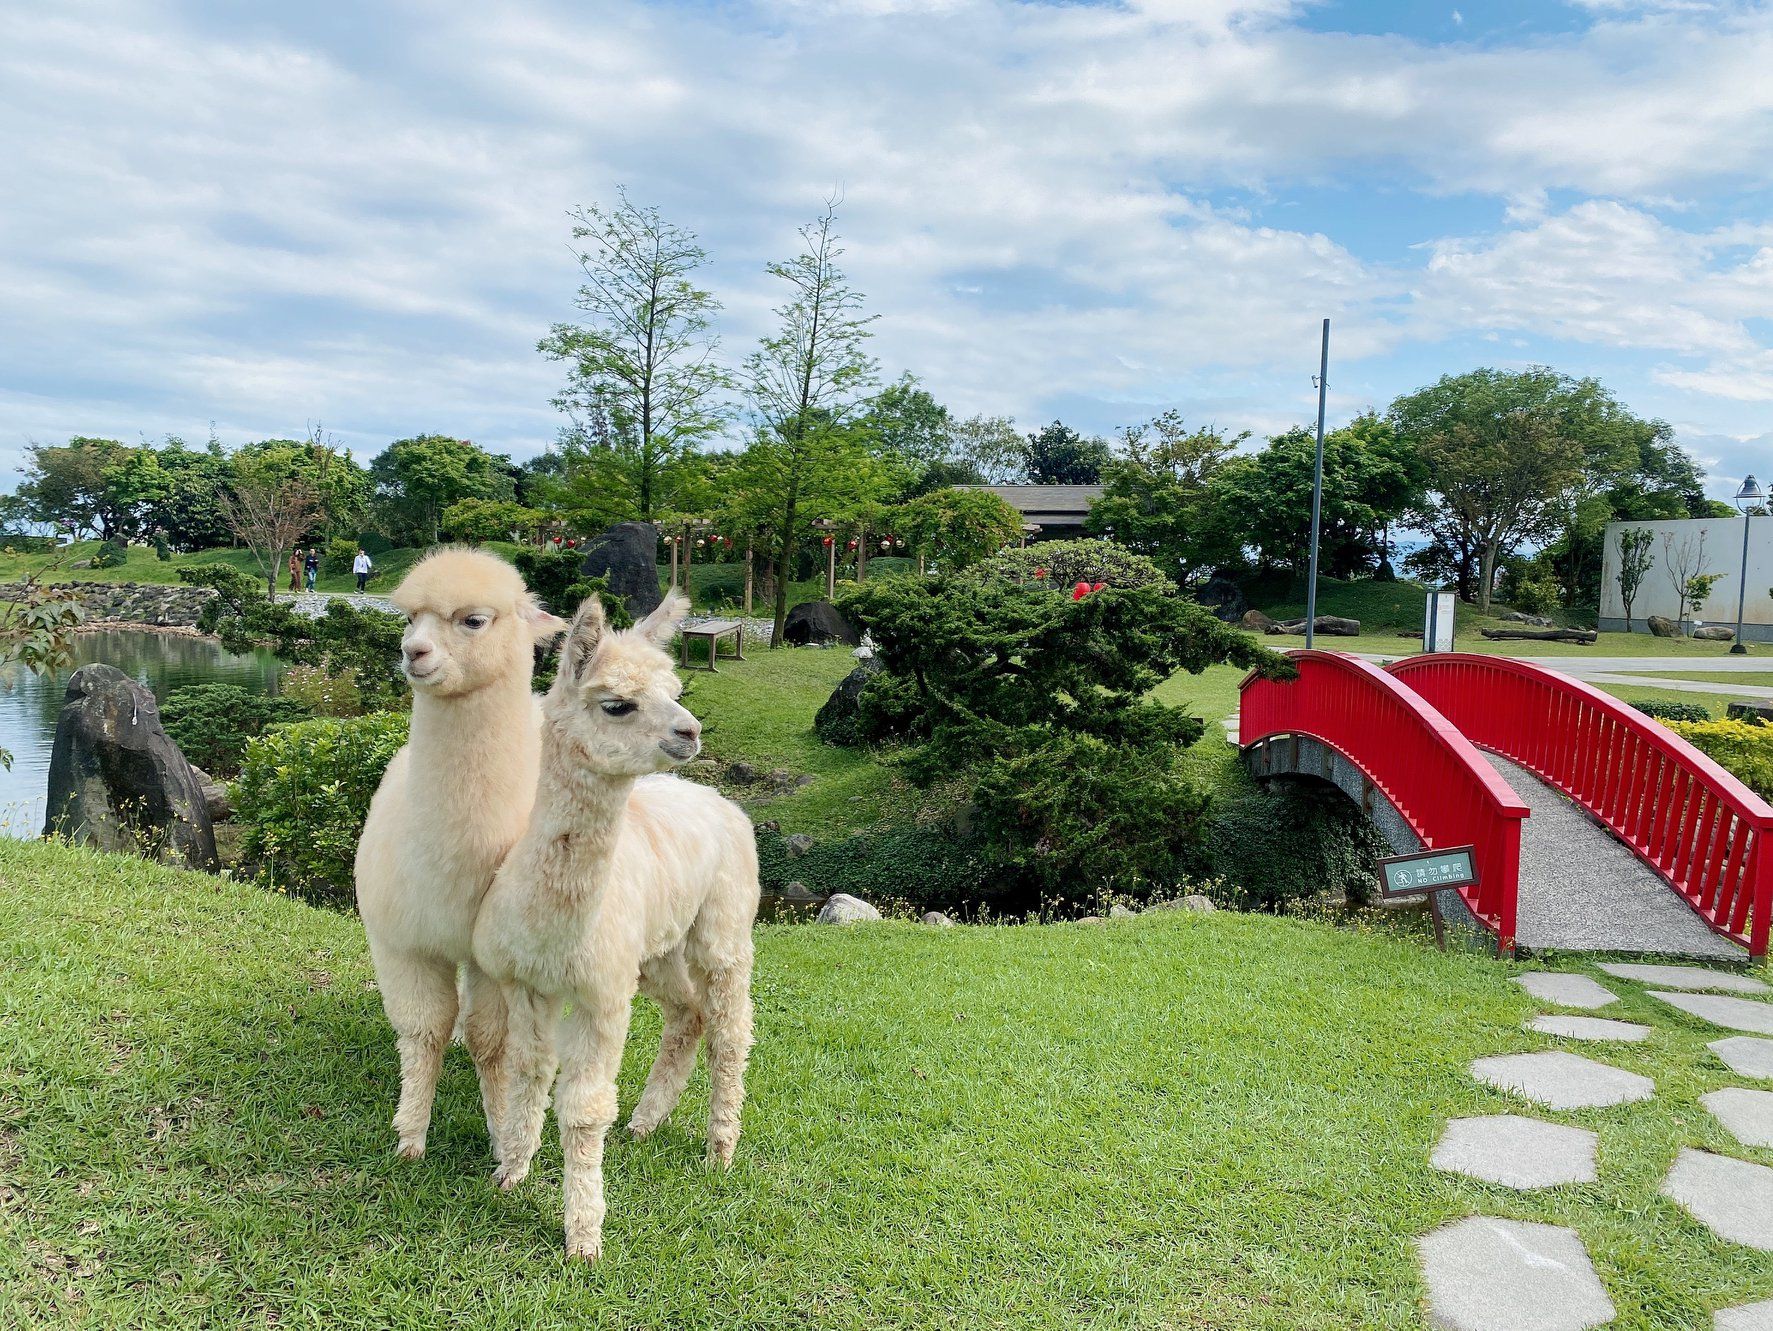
(1175, 1121)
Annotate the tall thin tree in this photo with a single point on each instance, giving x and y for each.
(805, 383)
(644, 358)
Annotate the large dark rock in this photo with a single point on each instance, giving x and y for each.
(116, 779)
(627, 554)
(1662, 626)
(1224, 598)
(818, 621)
(835, 722)
(1332, 625)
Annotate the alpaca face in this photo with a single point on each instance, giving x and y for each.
(470, 621)
(616, 694)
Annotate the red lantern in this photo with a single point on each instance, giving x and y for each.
(1080, 591)
(1040, 573)
(729, 541)
(1098, 587)
(571, 543)
(827, 540)
(851, 546)
(556, 540)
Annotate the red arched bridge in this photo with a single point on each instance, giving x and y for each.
(1593, 827)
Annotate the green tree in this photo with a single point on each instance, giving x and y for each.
(1262, 500)
(1505, 454)
(340, 488)
(1059, 455)
(74, 485)
(991, 446)
(904, 420)
(1156, 496)
(958, 527)
(416, 479)
(644, 357)
(804, 382)
(1634, 562)
(181, 490)
(476, 520)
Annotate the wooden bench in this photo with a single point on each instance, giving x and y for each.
(712, 632)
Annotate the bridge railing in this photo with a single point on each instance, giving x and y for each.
(1431, 774)
(1708, 835)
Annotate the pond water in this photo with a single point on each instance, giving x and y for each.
(163, 662)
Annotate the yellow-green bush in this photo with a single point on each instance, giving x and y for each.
(1744, 750)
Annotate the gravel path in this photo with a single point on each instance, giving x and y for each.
(1582, 889)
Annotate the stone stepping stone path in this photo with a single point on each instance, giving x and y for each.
(1510, 1275)
(1685, 977)
(1589, 1028)
(1744, 1055)
(1736, 1014)
(1488, 1274)
(1732, 1197)
(1749, 1317)
(1747, 1114)
(1517, 1152)
(1559, 1080)
(1566, 990)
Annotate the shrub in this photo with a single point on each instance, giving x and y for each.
(321, 693)
(212, 723)
(162, 550)
(1036, 707)
(339, 556)
(1742, 749)
(922, 866)
(1291, 841)
(1068, 563)
(110, 554)
(1674, 711)
(553, 577)
(303, 793)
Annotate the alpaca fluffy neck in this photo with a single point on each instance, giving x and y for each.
(478, 748)
(579, 815)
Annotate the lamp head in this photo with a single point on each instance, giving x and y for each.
(1750, 493)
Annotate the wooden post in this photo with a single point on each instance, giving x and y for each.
(748, 577)
(862, 555)
(920, 568)
(831, 566)
(672, 542)
(689, 553)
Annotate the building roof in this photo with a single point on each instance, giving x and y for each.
(1060, 504)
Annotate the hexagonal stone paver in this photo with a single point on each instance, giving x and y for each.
(1588, 1028)
(1747, 1317)
(1736, 1014)
(1516, 1152)
(1684, 977)
(1559, 1080)
(1566, 990)
(1508, 1275)
(1733, 1197)
(1748, 1114)
(1744, 1055)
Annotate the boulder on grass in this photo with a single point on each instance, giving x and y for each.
(841, 908)
(1256, 622)
(835, 721)
(1224, 598)
(818, 622)
(627, 555)
(1714, 633)
(116, 779)
(1333, 626)
(1663, 627)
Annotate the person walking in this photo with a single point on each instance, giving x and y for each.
(295, 569)
(361, 567)
(313, 566)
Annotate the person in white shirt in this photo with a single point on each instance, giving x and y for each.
(361, 567)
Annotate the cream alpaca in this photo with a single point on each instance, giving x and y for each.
(451, 804)
(623, 880)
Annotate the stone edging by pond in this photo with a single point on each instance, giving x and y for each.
(130, 604)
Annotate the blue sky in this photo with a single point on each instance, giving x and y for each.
(353, 215)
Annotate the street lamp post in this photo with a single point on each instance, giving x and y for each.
(1317, 490)
(1749, 496)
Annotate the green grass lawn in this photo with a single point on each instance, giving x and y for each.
(1210, 1122)
(1761, 679)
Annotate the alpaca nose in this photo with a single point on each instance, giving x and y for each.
(688, 731)
(416, 651)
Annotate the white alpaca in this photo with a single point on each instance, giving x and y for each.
(623, 880)
(451, 804)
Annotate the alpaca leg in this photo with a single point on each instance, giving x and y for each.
(668, 983)
(728, 1010)
(531, 1064)
(419, 996)
(591, 1054)
(485, 1024)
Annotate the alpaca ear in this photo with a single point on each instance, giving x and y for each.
(662, 624)
(582, 638)
(542, 625)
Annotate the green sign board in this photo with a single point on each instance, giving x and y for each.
(1425, 871)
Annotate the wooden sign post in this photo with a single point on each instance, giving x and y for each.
(1428, 871)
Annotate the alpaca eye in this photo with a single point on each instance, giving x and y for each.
(617, 708)
(475, 622)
